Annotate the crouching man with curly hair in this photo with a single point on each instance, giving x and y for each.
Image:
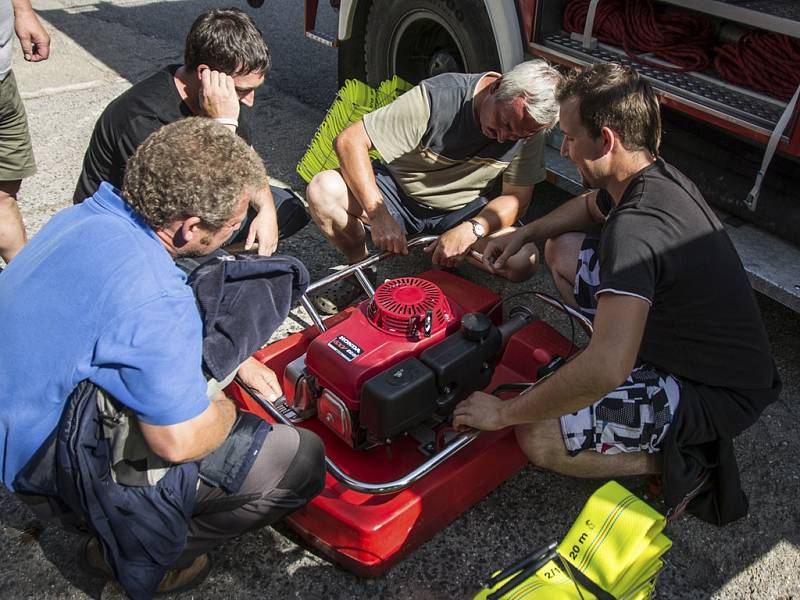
(96, 297)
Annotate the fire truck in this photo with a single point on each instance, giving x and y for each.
(726, 71)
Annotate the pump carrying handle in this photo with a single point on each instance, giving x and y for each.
(461, 441)
(356, 269)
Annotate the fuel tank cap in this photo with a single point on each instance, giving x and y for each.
(476, 326)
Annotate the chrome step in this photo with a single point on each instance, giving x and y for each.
(750, 109)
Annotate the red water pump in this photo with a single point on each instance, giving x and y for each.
(402, 358)
(391, 370)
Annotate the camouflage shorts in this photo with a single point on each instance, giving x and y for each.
(636, 416)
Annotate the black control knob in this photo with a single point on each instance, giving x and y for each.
(476, 326)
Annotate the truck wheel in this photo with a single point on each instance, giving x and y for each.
(417, 39)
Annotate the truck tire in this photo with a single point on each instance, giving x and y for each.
(417, 39)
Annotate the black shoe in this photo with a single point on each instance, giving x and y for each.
(703, 483)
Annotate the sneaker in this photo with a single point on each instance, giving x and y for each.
(92, 562)
(341, 294)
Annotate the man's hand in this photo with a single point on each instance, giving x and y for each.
(498, 250)
(264, 230)
(218, 98)
(386, 233)
(32, 36)
(452, 246)
(480, 411)
(260, 378)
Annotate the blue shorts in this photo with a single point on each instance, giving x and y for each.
(415, 218)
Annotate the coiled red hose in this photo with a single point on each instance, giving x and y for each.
(763, 61)
(683, 39)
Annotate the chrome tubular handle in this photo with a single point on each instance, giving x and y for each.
(367, 262)
(578, 316)
(460, 442)
(356, 269)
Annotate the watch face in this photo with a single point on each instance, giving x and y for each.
(478, 228)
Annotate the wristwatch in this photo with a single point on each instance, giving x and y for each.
(477, 228)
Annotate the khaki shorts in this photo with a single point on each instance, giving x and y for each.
(16, 152)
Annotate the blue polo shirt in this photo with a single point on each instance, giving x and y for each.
(94, 295)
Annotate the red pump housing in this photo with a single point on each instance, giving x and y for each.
(367, 533)
(405, 316)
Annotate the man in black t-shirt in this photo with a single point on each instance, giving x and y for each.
(225, 61)
(679, 362)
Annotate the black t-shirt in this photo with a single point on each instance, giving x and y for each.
(664, 244)
(127, 121)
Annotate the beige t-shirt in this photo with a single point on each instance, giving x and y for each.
(435, 150)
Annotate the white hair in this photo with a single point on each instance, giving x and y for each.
(535, 81)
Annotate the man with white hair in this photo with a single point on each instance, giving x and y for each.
(461, 154)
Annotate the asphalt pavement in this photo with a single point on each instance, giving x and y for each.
(98, 49)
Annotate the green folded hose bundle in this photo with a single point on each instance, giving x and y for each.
(612, 552)
(353, 101)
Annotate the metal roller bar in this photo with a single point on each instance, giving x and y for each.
(389, 487)
(769, 15)
(312, 312)
(365, 282)
(734, 104)
(367, 262)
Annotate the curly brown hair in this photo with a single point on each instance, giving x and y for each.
(616, 97)
(194, 167)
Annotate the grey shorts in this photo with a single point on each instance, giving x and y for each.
(416, 218)
(16, 152)
(634, 417)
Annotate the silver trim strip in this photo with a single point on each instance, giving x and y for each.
(663, 89)
(388, 487)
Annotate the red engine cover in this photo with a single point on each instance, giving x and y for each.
(377, 335)
(402, 306)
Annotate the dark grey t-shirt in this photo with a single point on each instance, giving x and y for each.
(434, 148)
(127, 121)
(664, 244)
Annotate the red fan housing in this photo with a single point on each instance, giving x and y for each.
(409, 307)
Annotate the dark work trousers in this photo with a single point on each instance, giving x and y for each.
(287, 473)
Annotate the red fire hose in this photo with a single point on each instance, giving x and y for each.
(767, 62)
(763, 61)
(683, 39)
